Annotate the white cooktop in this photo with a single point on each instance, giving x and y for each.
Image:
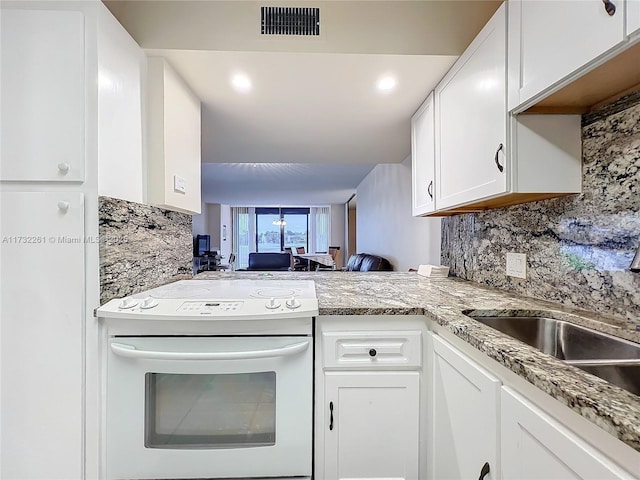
(218, 300)
(232, 289)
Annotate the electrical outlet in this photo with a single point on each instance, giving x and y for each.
(517, 265)
(179, 184)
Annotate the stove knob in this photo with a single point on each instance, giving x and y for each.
(293, 303)
(273, 303)
(149, 303)
(128, 303)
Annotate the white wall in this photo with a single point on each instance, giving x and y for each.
(213, 224)
(384, 222)
(225, 220)
(337, 230)
(200, 222)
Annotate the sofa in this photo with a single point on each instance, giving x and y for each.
(365, 262)
(269, 262)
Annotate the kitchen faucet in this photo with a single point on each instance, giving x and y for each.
(635, 263)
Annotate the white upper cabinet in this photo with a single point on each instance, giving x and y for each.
(633, 17)
(423, 158)
(471, 120)
(174, 155)
(551, 40)
(486, 157)
(121, 70)
(43, 95)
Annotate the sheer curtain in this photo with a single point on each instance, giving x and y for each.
(322, 218)
(240, 242)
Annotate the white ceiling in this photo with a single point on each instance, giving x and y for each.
(281, 184)
(314, 101)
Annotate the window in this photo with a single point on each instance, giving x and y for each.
(274, 237)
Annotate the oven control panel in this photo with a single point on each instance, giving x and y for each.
(210, 307)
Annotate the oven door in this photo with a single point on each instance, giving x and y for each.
(209, 407)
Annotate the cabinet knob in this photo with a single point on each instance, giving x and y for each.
(610, 7)
(500, 167)
(63, 206)
(430, 189)
(372, 352)
(484, 471)
(64, 168)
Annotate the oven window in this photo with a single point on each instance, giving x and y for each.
(210, 410)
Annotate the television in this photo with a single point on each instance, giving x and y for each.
(201, 245)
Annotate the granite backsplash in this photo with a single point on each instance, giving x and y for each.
(141, 247)
(578, 248)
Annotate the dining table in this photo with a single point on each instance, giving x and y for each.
(319, 258)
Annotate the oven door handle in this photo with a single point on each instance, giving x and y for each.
(124, 350)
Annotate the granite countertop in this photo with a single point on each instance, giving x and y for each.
(394, 293)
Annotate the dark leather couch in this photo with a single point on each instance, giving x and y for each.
(365, 262)
(269, 262)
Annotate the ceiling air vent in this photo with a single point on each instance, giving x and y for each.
(290, 21)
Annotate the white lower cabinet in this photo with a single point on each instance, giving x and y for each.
(370, 399)
(42, 254)
(464, 417)
(373, 429)
(535, 446)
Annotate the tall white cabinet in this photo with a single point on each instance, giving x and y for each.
(53, 96)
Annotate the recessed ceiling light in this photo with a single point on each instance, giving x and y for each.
(386, 83)
(241, 83)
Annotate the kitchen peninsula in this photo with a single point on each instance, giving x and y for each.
(442, 301)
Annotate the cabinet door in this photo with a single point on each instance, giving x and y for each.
(375, 427)
(560, 37)
(43, 93)
(423, 158)
(633, 17)
(464, 417)
(471, 121)
(42, 290)
(535, 446)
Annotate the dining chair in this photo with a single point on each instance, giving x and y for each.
(296, 263)
(304, 263)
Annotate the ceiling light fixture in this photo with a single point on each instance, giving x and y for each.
(386, 84)
(241, 83)
(280, 221)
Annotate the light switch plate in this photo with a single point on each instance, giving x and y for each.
(179, 184)
(517, 265)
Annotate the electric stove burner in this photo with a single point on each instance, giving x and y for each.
(275, 292)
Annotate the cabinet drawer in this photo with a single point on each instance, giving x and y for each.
(372, 350)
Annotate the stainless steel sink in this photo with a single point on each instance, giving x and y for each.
(611, 358)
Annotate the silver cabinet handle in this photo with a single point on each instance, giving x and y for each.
(430, 189)
(129, 351)
(64, 168)
(63, 206)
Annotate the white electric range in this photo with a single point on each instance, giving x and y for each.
(210, 379)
